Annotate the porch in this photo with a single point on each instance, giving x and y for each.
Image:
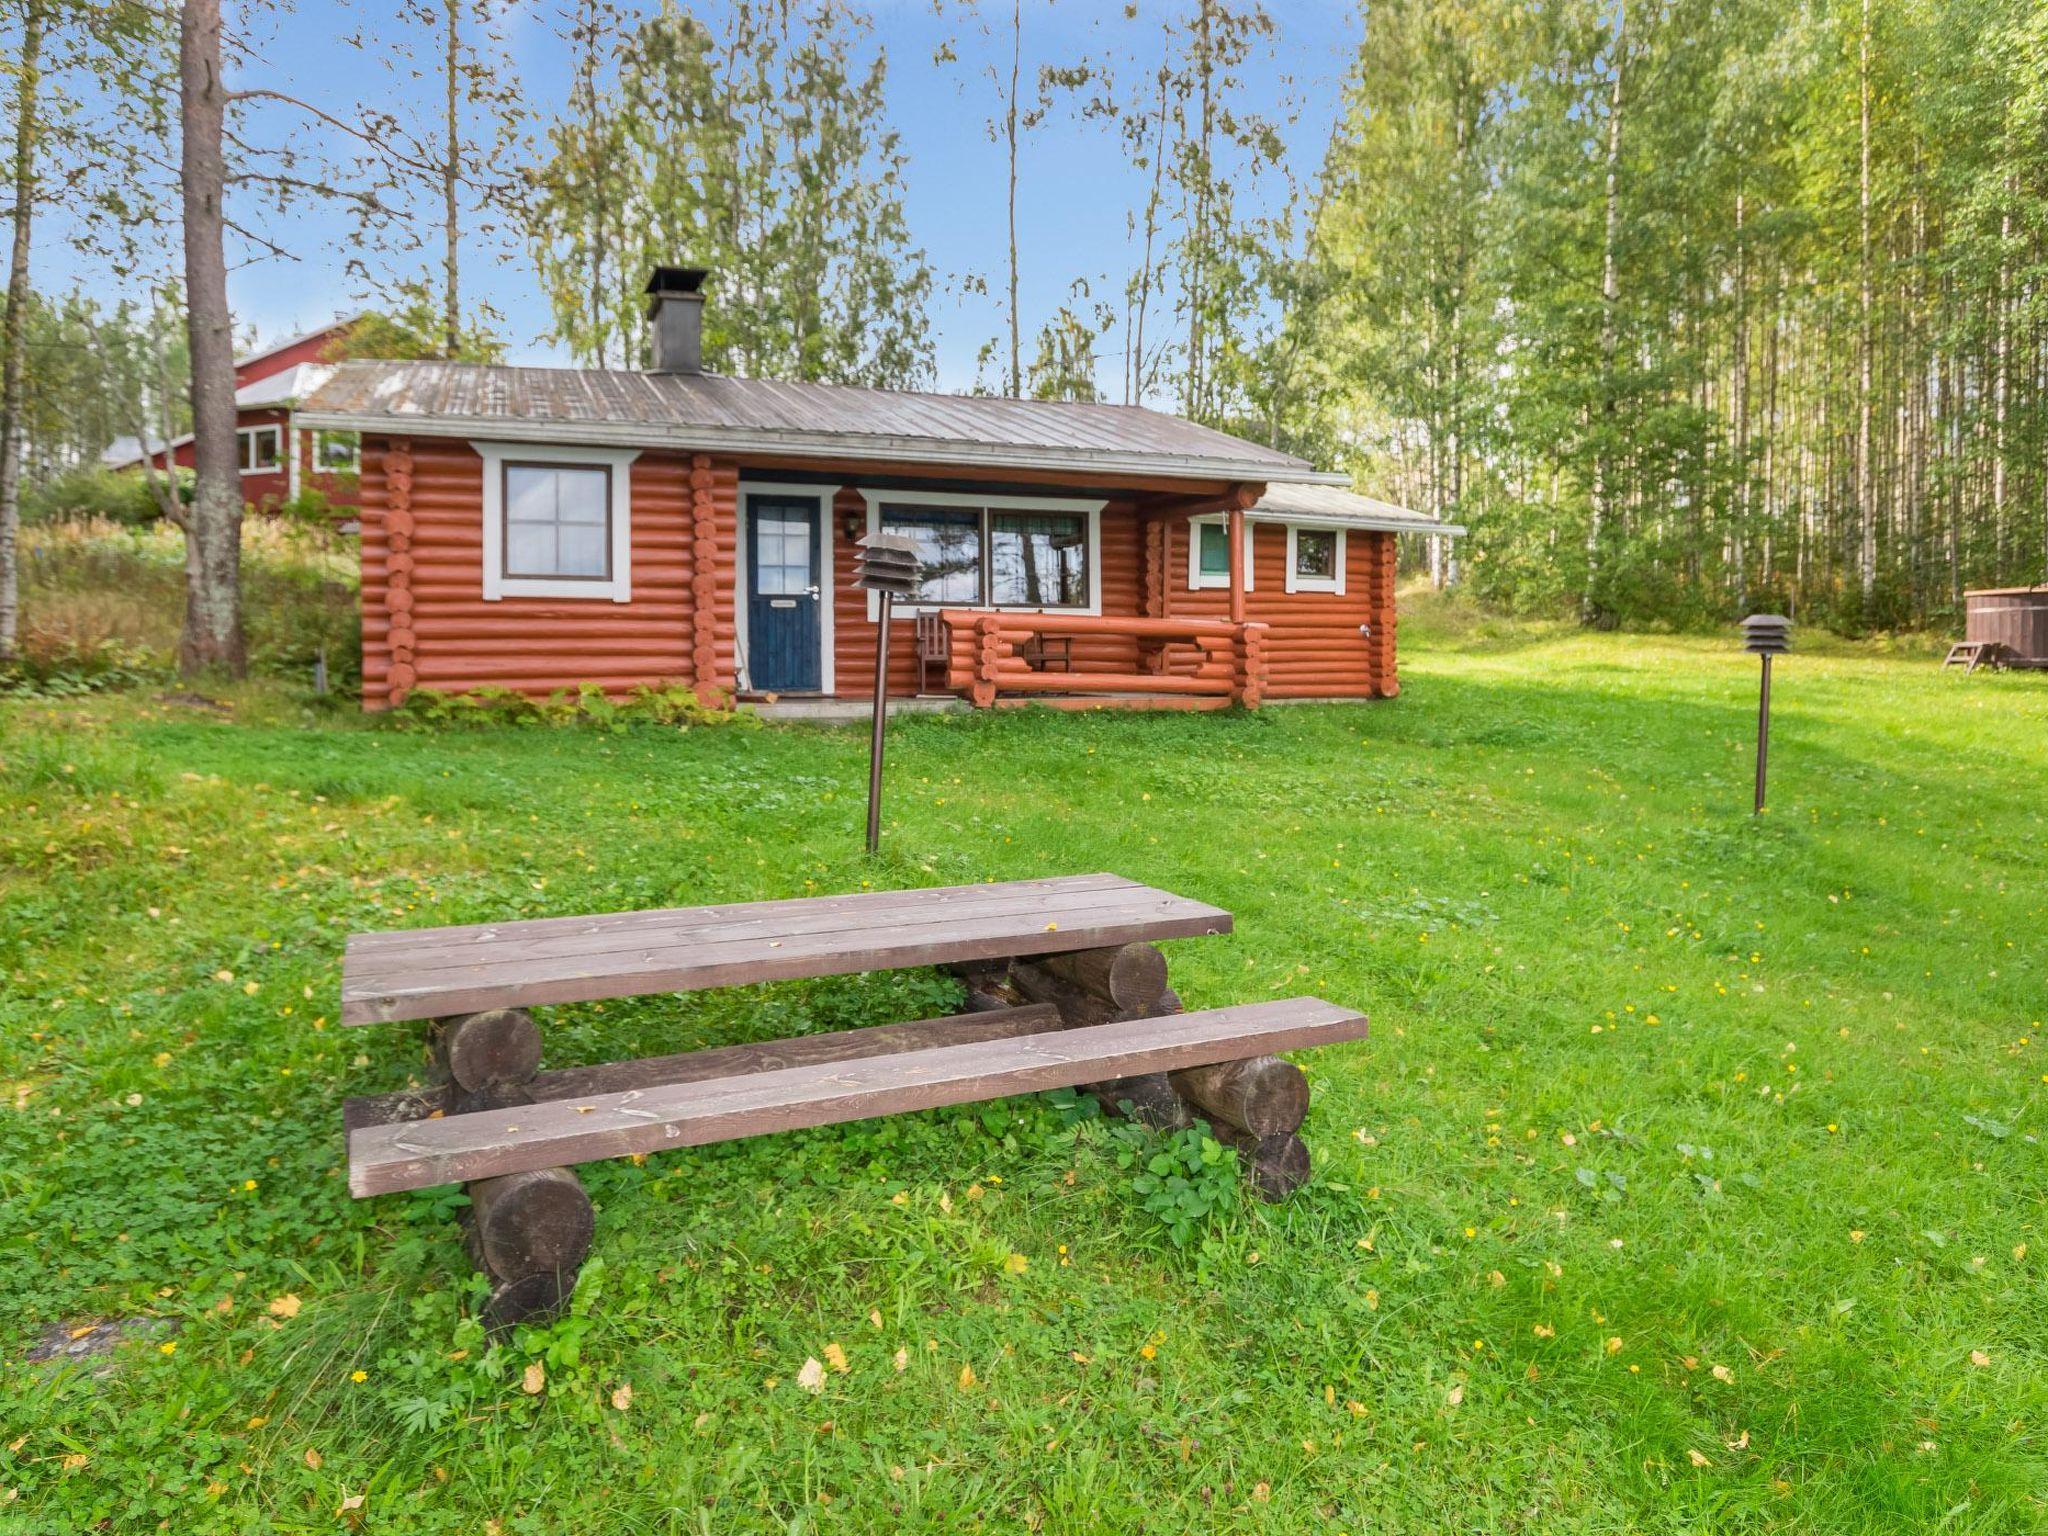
(991, 658)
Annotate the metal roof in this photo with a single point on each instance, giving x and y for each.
(271, 390)
(1298, 501)
(711, 413)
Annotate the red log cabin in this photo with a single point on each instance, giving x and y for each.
(279, 458)
(538, 529)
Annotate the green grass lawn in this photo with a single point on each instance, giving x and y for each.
(1692, 1179)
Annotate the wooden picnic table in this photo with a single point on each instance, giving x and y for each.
(1065, 988)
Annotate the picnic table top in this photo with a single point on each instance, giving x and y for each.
(426, 973)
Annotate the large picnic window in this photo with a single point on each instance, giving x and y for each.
(1007, 553)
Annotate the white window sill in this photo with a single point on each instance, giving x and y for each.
(564, 587)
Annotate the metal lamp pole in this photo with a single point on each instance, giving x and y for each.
(1765, 635)
(886, 565)
(881, 722)
(1763, 732)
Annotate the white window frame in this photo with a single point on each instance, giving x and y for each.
(981, 501)
(355, 463)
(1300, 583)
(828, 555)
(244, 436)
(1198, 580)
(497, 585)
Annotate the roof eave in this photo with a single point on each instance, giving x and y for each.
(815, 445)
(1365, 523)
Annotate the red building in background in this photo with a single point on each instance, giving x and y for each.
(279, 459)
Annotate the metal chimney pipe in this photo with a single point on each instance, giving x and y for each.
(675, 315)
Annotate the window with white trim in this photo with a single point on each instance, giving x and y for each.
(261, 449)
(337, 453)
(557, 522)
(1209, 553)
(1315, 559)
(996, 551)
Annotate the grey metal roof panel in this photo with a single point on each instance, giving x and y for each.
(1319, 502)
(711, 412)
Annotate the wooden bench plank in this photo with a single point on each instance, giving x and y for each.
(787, 906)
(688, 949)
(725, 1061)
(605, 935)
(515, 980)
(418, 1154)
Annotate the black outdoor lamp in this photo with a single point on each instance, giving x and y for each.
(886, 564)
(1765, 635)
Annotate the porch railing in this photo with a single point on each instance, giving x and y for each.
(1201, 660)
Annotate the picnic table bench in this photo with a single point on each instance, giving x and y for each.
(1065, 989)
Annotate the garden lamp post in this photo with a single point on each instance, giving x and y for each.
(886, 565)
(1765, 635)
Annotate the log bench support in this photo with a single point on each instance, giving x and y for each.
(1255, 1106)
(528, 1233)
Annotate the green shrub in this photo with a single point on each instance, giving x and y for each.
(84, 495)
(94, 588)
(588, 705)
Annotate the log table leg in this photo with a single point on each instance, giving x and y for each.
(486, 1059)
(1263, 1094)
(1255, 1106)
(529, 1232)
(1276, 1165)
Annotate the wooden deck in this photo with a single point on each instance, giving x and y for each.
(437, 972)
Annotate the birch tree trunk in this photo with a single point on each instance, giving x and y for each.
(451, 181)
(212, 639)
(1610, 293)
(13, 340)
(1010, 129)
(1866, 501)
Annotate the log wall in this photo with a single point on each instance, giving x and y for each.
(425, 621)
(426, 624)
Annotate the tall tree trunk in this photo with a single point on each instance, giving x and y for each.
(1198, 270)
(1010, 130)
(451, 181)
(13, 338)
(1866, 500)
(212, 638)
(1590, 608)
(1134, 394)
(1741, 408)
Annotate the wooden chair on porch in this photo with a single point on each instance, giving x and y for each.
(934, 648)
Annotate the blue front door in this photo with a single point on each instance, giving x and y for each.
(784, 594)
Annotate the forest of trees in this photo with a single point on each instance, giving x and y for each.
(1695, 308)
(1685, 308)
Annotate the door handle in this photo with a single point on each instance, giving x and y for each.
(812, 589)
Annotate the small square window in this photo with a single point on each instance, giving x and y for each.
(338, 453)
(1215, 549)
(1315, 554)
(262, 449)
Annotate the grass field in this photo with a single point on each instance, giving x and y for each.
(1692, 1180)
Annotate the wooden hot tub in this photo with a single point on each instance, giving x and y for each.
(2013, 617)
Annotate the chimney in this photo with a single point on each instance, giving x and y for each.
(675, 311)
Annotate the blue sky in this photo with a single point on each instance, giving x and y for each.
(1074, 192)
